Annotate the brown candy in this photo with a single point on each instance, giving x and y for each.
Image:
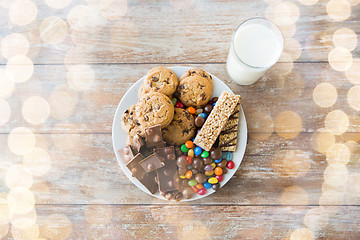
(198, 163)
(126, 154)
(166, 153)
(195, 171)
(184, 182)
(187, 192)
(151, 163)
(178, 151)
(199, 121)
(208, 108)
(182, 171)
(153, 136)
(178, 197)
(200, 178)
(215, 186)
(208, 160)
(169, 195)
(181, 162)
(222, 164)
(216, 153)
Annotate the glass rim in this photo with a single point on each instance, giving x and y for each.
(273, 25)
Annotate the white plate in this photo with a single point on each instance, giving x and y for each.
(119, 137)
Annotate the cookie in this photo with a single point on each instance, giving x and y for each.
(128, 119)
(162, 80)
(142, 91)
(194, 91)
(199, 72)
(181, 128)
(152, 109)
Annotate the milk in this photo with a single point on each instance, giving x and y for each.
(254, 49)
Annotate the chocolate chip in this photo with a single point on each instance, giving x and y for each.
(193, 72)
(201, 86)
(203, 96)
(186, 131)
(147, 98)
(167, 80)
(204, 75)
(157, 88)
(210, 76)
(150, 84)
(126, 111)
(157, 107)
(146, 118)
(155, 79)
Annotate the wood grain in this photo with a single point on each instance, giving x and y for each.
(193, 221)
(159, 32)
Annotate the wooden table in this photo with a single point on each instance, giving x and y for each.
(67, 64)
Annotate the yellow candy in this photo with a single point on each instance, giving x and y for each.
(209, 173)
(213, 180)
(182, 176)
(191, 153)
(213, 165)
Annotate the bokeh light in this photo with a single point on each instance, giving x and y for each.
(35, 110)
(322, 140)
(308, 2)
(4, 210)
(288, 30)
(331, 197)
(53, 30)
(38, 162)
(5, 111)
(294, 195)
(316, 219)
(18, 176)
(288, 124)
(21, 141)
(336, 175)
(260, 125)
(20, 200)
(337, 122)
(113, 9)
(352, 133)
(24, 221)
(20, 17)
(85, 18)
(65, 141)
(354, 149)
(56, 226)
(293, 48)
(338, 153)
(20, 68)
(291, 163)
(30, 233)
(62, 102)
(98, 212)
(7, 84)
(353, 97)
(302, 234)
(354, 2)
(346, 38)
(340, 59)
(353, 73)
(4, 229)
(58, 4)
(325, 95)
(338, 10)
(14, 44)
(80, 77)
(282, 13)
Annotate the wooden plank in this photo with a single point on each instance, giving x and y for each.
(83, 167)
(192, 221)
(171, 32)
(92, 110)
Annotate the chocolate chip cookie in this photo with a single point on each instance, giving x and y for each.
(128, 119)
(194, 91)
(199, 72)
(142, 91)
(153, 108)
(162, 80)
(181, 128)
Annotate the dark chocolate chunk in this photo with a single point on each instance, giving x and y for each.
(153, 136)
(126, 154)
(151, 163)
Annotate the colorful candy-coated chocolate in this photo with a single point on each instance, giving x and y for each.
(179, 105)
(219, 177)
(184, 148)
(199, 186)
(195, 189)
(214, 104)
(174, 100)
(228, 156)
(230, 165)
(218, 160)
(218, 171)
(213, 165)
(192, 183)
(198, 151)
(209, 173)
(188, 160)
(203, 115)
(191, 110)
(188, 174)
(191, 153)
(189, 144)
(207, 185)
(198, 111)
(204, 154)
(208, 168)
(213, 180)
(215, 186)
(182, 176)
(202, 191)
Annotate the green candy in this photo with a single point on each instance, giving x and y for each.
(184, 148)
(174, 100)
(204, 154)
(192, 183)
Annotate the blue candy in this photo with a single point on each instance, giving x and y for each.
(229, 156)
(218, 160)
(223, 155)
(203, 115)
(214, 104)
(197, 151)
(207, 185)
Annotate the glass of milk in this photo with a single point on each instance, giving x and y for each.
(256, 45)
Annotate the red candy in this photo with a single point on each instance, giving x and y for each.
(179, 105)
(195, 189)
(202, 191)
(188, 160)
(230, 165)
(219, 177)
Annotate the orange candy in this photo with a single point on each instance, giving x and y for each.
(218, 171)
(188, 174)
(191, 110)
(189, 144)
(199, 186)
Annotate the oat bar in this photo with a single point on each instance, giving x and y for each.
(216, 120)
(228, 135)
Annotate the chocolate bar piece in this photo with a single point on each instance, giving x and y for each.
(217, 119)
(138, 143)
(153, 137)
(149, 181)
(228, 135)
(168, 178)
(166, 153)
(126, 154)
(151, 163)
(135, 168)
